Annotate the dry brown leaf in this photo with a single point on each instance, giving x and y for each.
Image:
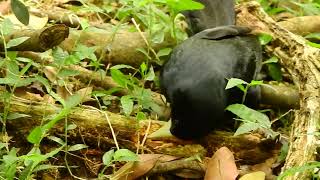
(4, 7)
(134, 170)
(85, 94)
(259, 175)
(63, 92)
(50, 72)
(222, 166)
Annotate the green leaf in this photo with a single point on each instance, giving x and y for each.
(56, 139)
(36, 135)
(16, 41)
(6, 26)
(122, 66)
(83, 52)
(107, 157)
(67, 72)
(121, 79)
(127, 104)
(248, 114)
(141, 116)
(71, 127)
(12, 116)
(183, 5)
(73, 101)
(150, 76)
(143, 68)
(20, 11)
(246, 128)
(255, 83)
(313, 36)
(77, 147)
(143, 51)
(312, 44)
(164, 52)
(234, 82)
(59, 55)
(264, 38)
(274, 70)
(125, 155)
(271, 60)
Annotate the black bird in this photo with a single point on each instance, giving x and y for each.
(195, 76)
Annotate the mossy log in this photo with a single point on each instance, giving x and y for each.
(93, 128)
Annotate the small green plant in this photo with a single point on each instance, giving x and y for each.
(274, 68)
(252, 119)
(312, 167)
(135, 88)
(120, 155)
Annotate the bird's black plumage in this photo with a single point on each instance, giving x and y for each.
(195, 76)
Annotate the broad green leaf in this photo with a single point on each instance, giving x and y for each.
(143, 51)
(77, 147)
(20, 11)
(59, 55)
(16, 41)
(250, 115)
(183, 5)
(264, 38)
(246, 127)
(125, 155)
(67, 72)
(274, 70)
(56, 139)
(143, 68)
(164, 52)
(35, 136)
(255, 83)
(107, 157)
(312, 44)
(6, 26)
(234, 82)
(313, 36)
(73, 101)
(150, 76)
(119, 77)
(141, 116)
(127, 104)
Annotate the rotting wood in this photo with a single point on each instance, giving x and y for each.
(39, 40)
(302, 62)
(93, 128)
(115, 47)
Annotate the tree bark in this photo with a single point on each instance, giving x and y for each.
(93, 128)
(39, 40)
(302, 62)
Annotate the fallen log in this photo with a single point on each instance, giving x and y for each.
(93, 128)
(39, 40)
(115, 47)
(302, 62)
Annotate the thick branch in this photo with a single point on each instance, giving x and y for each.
(303, 64)
(93, 128)
(39, 40)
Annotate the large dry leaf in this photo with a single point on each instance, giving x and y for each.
(222, 166)
(134, 170)
(259, 175)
